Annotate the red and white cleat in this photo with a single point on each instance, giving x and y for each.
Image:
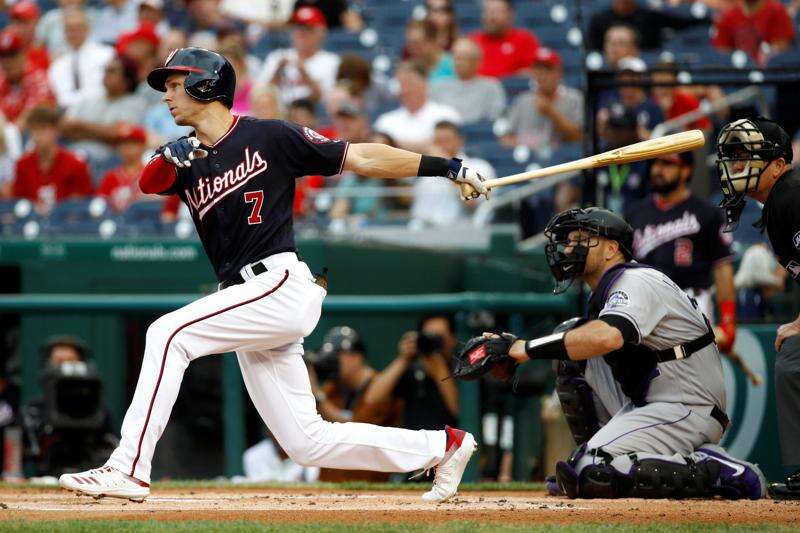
(106, 481)
(460, 447)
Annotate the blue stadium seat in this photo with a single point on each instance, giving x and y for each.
(142, 218)
(514, 85)
(72, 217)
(478, 133)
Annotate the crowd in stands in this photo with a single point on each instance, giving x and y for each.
(448, 77)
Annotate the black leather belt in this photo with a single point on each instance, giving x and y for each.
(720, 416)
(258, 268)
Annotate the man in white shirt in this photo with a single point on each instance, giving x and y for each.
(475, 97)
(303, 71)
(437, 205)
(50, 28)
(412, 124)
(79, 73)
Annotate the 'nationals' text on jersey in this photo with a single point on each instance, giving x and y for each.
(683, 240)
(240, 196)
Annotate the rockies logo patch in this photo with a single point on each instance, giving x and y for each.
(617, 299)
(315, 137)
(793, 268)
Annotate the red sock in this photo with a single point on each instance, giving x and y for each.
(454, 438)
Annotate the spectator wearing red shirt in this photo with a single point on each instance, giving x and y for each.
(673, 101)
(20, 89)
(120, 185)
(49, 173)
(751, 23)
(506, 50)
(24, 17)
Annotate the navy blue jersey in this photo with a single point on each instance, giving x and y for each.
(241, 195)
(683, 240)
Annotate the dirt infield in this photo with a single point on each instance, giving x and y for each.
(357, 506)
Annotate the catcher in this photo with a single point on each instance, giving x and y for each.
(640, 380)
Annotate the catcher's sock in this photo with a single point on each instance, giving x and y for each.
(454, 439)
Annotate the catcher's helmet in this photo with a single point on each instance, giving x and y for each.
(752, 144)
(210, 75)
(594, 222)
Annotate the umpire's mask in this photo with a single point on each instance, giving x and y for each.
(744, 149)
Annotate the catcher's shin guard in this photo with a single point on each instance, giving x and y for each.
(658, 478)
(577, 401)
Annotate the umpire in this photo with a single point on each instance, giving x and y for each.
(754, 159)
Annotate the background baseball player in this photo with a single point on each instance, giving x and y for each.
(754, 159)
(236, 175)
(649, 356)
(681, 235)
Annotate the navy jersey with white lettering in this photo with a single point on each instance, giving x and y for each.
(684, 240)
(241, 195)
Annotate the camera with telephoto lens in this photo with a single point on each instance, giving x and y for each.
(428, 343)
(73, 394)
(325, 364)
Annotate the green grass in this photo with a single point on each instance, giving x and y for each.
(105, 526)
(352, 485)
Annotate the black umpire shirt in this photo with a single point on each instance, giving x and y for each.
(781, 219)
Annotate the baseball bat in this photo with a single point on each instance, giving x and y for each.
(669, 144)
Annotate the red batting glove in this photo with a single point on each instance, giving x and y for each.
(726, 326)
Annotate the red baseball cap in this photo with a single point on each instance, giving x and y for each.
(131, 133)
(547, 57)
(24, 10)
(145, 32)
(309, 16)
(10, 42)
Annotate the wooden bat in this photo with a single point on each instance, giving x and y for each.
(669, 144)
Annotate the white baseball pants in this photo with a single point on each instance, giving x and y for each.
(264, 320)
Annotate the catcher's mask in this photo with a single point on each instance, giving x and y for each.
(745, 148)
(572, 233)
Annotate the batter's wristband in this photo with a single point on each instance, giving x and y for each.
(435, 166)
(549, 347)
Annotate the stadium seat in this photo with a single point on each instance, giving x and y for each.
(142, 218)
(74, 217)
(514, 85)
(478, 133)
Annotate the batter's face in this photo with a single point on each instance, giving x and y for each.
(184, 108)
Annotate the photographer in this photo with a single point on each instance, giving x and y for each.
(339, 376)
(69, 427)
(418, 375)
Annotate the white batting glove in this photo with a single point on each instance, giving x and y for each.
(470, 183)
(183, 151)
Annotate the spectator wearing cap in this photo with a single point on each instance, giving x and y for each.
(92, 123)
(49, 173)
(412, 124)
(620, 40)
(152, 12)
(120, 185)
(622, 184)
(140, 47)
(759, 27)
(634, 97)
(673, 101)
(649, 23)
(422, 46)
(24, 17)
(549, 115)
(439, 204)
(21, 88)
(305, 70)
(337, 13)
(507, 50)
(475, 97)
(50, 29)
(78, 74)
(115, 18)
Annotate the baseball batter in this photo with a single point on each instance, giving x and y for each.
(236, 175)
(754, 159)
(640, 379)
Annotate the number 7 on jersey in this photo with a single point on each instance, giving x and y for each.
(257, 199)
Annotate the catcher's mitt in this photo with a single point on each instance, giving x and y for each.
(486, 354)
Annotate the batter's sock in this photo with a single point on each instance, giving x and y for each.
(454, 438)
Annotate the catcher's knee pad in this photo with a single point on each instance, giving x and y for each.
(663, 478)
(577, 401)
(590, 474)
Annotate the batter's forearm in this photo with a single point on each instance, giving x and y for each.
(381, 161)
